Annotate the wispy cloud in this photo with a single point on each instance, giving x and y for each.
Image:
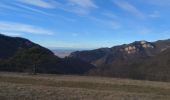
(155, 14)
(76, 6)
(83, 3)
(112, 24)
(144, 31)
(128, 7)
(11, 33)
(80, 7)
(32, 9)
(15, 6)
(38, 3)
(9, 6)
(25, 10)
(12, 27)
(110, 15)
(159, 2)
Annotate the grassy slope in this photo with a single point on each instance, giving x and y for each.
(14, 86)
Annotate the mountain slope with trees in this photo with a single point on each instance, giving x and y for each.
(21, 55)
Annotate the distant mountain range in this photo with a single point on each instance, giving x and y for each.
(62, 53)
(137, 60)
(65, 52)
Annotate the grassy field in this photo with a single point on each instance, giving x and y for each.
(17, 86)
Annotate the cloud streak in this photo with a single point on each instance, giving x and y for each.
(32, 9)
(11, 34)
(155, 14)
(2, 5)
(83, 3)
(11, 27)
(15, 6)
(107, 23)
(126, 6)
(159, 2)
(38, 3)
(80, 7)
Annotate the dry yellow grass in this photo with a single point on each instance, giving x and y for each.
(15, 86)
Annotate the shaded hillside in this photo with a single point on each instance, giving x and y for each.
(22, 55)
(156, 68)
(126, 53)
(139, 60)
(11, 45)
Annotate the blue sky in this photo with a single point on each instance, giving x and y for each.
(85, 23)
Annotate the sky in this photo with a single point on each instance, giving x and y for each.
(85, 23)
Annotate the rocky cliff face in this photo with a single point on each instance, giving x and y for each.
(138, 46)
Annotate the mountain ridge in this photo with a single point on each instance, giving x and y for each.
(22, 55)
(138, 60)
(137, 47)
(128, 60)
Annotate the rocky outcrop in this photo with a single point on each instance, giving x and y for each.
(134, 48)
